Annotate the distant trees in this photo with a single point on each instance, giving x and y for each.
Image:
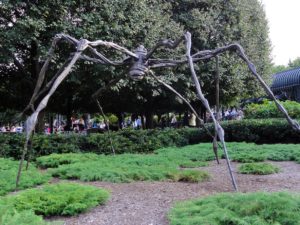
(291, 65)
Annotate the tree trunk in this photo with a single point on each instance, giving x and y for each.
(143, 121)
(199, 110)
(40, 123)
(120, 116)
(149, 120)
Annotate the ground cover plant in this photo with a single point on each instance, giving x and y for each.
(250, 152)
(8, 173)
(165, 164)
(56, 199)
(239, 209)
(258, 168)
(10, 216)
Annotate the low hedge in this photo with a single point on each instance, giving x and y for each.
(268, 109)
(146, 141)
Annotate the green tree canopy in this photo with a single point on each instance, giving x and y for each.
(27, 27)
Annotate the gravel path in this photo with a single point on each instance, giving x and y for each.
(147, 203)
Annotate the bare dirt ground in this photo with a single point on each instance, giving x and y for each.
(147, 203)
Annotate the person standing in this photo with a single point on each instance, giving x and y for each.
(173, 121)
(192, 120)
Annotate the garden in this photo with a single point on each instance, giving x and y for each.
(177, 183)
(145, 113)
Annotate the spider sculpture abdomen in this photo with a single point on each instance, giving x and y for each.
(138, 69)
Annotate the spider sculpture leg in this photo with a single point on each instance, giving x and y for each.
(218, 129)
(207, 54)
(31, 121)
(81, 46)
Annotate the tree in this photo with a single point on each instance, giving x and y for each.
(291, 65)
(216, 23)
(294, 64)
(27, 27)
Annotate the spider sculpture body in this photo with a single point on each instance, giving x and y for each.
(139, 67)
(141, 64)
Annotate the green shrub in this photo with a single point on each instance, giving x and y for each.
(248, 157)
(268, 109)
(57, 199)
(10, 216)
(147, 141)
(258, 168)
(193, 176)
(239, 209)
(8, 174)
(262, 131)
(54, 160)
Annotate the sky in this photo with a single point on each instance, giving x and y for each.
(284, 24)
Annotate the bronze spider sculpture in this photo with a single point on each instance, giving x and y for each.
(141, 64)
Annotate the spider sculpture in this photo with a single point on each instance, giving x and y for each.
(141, 64)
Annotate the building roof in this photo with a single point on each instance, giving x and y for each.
(286, 80)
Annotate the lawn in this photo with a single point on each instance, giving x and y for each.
(8, 173)
(49, 200)
(167, 164)
(164, 164)
(239, 209)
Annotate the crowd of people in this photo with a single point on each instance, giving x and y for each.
(83, 124)
(12, 129)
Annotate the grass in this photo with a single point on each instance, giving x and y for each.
(239, 209)
(250, 152)
(54, 160)
(56, 199)
(258, 168)
(9, 216)
(29, 178)
(165, 164)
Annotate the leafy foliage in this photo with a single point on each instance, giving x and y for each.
(8, 172)
(261, 131)
(239, 209)
(57, 199)
(268, 109)
(291, 65)
(27, 29)
(258, 168)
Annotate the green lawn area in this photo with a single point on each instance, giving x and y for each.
(49, 200)
(170, 164)
(239, 209)
(164, 164)
(258, 168)
(29, 178)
